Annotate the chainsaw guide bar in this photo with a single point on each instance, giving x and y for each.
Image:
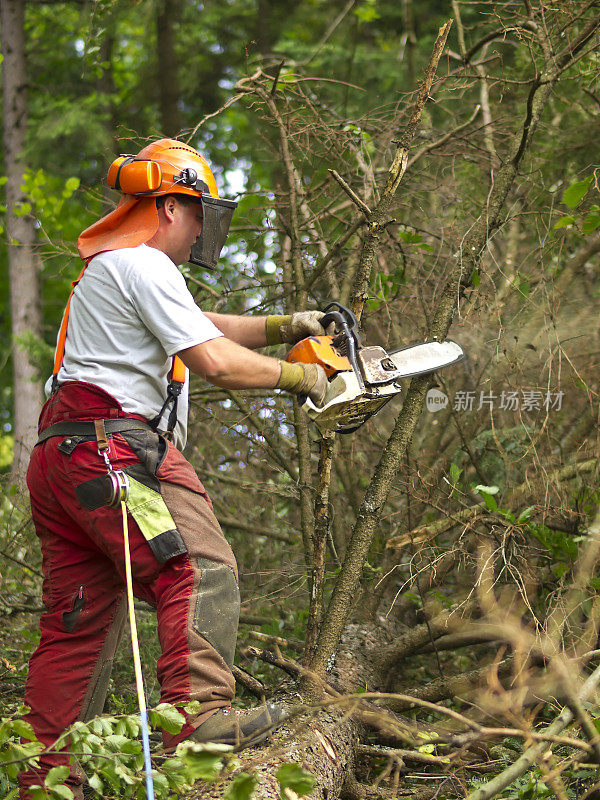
(347, 406)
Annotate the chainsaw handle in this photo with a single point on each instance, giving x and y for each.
(333, 317)
(340, 317)
(346, 330)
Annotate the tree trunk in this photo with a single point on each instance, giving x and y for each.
(167, 11)
(21, 235)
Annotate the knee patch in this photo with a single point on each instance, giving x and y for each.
(217, 608)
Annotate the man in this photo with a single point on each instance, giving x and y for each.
(117, 397)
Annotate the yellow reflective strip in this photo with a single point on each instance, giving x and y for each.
(149, 510)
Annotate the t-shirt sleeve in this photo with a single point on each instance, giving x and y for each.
(166, 306)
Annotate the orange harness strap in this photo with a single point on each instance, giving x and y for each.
(62, 335)
(176, 375)
(178, 370)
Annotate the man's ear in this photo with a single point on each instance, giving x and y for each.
(169, 207)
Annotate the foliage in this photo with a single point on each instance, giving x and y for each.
(293, 778)
(110, 750)
(573, 197)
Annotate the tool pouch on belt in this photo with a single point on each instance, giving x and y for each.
(147, 508)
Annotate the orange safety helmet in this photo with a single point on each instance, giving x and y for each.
(162, 167)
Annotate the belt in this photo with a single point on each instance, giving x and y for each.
(79, 427)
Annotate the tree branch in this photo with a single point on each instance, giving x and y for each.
(378, 218)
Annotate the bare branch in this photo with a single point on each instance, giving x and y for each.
(351, 194)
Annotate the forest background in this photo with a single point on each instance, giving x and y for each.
(424, 591)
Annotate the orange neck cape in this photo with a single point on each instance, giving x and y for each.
(133, 222)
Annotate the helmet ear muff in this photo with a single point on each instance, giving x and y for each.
(135, 176)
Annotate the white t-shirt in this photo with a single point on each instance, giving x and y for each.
(130, 313)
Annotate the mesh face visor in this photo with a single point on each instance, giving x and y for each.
(216, 219)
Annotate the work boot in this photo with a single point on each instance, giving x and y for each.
(244, 728)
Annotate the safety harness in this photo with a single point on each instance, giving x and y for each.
(176, 374)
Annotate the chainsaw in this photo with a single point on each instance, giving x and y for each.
(362, 379)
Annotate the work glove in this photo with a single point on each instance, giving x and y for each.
(307, 379)
(291, 328)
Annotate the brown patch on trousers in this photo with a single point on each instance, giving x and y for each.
(212, 618)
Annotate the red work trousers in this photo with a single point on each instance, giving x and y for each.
(195, 593)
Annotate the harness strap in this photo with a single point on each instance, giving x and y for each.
(79, 427)
(101, 436)
(62, 335)
(176, 375)
(176, 383)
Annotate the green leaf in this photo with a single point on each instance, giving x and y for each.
(116, 742)
(489, 501)
(487, 489)
(564, 222)
(161, 784)
(576, 192)
(293, 777)
(475, 279)
(560, 544)
(241, 787)
(22, 209)
(71, 185)
(24, 752)
(57, 775)
(367, 12)
(591, 221)
(206, 766)
(131, 746)
(524, 515)
(61, 791)
(193, 707)
(133, 725)
(203, 761)
(410, 237)
(96, 784)
(167, 717)
(455, 473)
(486, 493)
(126, 774)
(23, 729)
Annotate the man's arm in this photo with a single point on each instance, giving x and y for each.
(255, 332)
(231, 366)
(247, 331)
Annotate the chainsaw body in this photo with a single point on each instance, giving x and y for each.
(362, 379)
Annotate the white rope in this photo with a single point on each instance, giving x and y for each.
(136, 660)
